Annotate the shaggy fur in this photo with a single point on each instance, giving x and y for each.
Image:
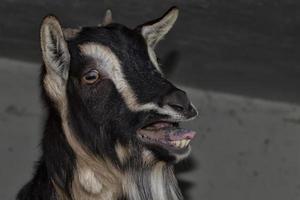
(90, 148)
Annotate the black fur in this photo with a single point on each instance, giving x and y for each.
(98, 113)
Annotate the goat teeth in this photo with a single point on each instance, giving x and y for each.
(182, 143)
(188, 142)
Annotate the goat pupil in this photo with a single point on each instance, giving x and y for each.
(91, 77)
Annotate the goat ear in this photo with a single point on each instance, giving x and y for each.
(54, 47)
(107, 19)
(155, 30)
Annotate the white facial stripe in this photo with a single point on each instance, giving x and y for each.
(110, 64)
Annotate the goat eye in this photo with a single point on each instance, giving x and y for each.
(91, 77)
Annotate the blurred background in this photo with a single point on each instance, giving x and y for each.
(239, 60)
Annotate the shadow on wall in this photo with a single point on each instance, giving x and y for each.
(186, 165)
(169, 62)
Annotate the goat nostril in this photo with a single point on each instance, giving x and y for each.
(192, 111)
(177, 107)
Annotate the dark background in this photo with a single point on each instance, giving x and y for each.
(249, 47)
(238, 60)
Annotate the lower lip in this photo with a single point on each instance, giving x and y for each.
(164, 143)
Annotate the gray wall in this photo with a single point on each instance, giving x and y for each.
(246, 149)
(249, 47)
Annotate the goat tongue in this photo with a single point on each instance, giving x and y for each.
(168, 134)
(174, 134)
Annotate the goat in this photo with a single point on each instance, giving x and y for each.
(112, 130)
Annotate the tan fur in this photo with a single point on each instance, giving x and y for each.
(87, 183)
(88, 180)
(55, 87)
(173, 185)
(148, 157)
(96, 178)
(130, 188)
(51, 28)
(100, 171)
(70, 33)
(159, 174)
(123, 153)
(54, 80)
(157, 181)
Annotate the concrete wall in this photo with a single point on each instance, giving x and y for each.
(249, 47)
(246, 149)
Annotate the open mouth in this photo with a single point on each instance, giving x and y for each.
(167, 135)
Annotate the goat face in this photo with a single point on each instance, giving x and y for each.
(109, 90)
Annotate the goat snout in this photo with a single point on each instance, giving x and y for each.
(179, 101)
